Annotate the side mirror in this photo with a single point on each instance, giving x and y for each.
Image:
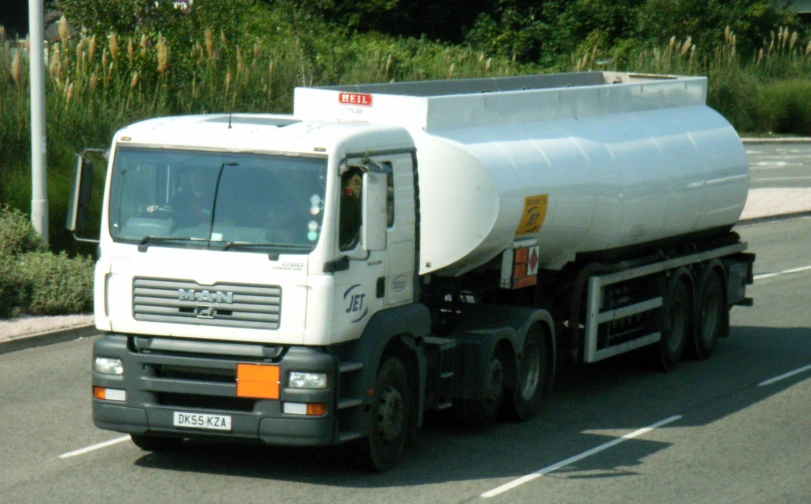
(375, 220)
(79, 193)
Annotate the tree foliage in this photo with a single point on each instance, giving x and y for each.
(753, 22)
(538, 31)
(164, 18)
(545, 31)
(446, 20)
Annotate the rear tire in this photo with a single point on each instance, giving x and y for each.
(674, 324)
(481, 412)
(711, 314)
(389, 418)
(155, 443)
(524, 401)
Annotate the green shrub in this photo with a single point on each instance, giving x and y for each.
(739, 98)
(35, 281)
(52, 284)
(17, 235)
(790, 101)
(10, 289)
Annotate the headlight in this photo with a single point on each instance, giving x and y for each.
(307, 380)
(106, 365)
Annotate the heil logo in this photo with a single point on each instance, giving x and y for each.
(355, 99)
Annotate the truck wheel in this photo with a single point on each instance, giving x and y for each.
(524, 401)
(389, 418)
(710, 314)
(155, 443)
(675, 319)
(479, 413)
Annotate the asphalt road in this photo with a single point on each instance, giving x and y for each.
(723, 433)
(779, 164)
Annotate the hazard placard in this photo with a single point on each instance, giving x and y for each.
(534, 214)
(525, 267)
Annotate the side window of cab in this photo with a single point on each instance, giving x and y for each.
(389, 193)
(350, 212)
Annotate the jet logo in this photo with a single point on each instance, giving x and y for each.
(355, 305)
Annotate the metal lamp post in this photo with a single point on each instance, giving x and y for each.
(39, 194)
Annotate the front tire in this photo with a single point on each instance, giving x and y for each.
(389, 419)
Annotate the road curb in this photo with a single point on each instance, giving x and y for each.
(46, 338)
(776, 140)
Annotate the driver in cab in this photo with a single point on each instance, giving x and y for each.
(191, 204)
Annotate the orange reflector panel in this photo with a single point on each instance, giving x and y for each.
(258, 381)
(524, 282)
(520, 271)
(316, 409)
(99, 393)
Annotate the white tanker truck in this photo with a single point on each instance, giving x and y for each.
(330, 276)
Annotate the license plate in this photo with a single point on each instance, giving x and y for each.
(201, 421)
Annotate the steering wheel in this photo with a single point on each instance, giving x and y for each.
(164, 212)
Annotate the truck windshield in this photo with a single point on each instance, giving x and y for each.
(243, 201)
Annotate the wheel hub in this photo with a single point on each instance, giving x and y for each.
(496, 381)
(530, 371)
(709, 315)
(674, 326)
(390, 415)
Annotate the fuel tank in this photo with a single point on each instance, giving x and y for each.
(573, 163)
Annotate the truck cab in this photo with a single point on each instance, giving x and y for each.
(190, 232)
(227, 275)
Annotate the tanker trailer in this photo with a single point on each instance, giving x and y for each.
(391, 249)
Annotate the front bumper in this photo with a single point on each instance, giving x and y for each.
(159, 384)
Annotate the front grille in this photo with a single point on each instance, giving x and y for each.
(224, 305)
(189, 373)
(199, 402)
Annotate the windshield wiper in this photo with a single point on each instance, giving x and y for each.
(150, 239)
(294, 246)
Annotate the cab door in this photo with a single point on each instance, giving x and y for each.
(367, 281)
(401, 209)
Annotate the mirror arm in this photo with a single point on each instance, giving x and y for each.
(378, 168)
(85, 240)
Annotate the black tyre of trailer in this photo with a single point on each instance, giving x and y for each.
(524, 401)
(711, 312)
(389, 417)
(481, 412)
(674, 322)
(155, 443)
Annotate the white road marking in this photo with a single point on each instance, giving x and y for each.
(774, 164)
(784, 376)
(105, 444)
(784, 272)
(529, 477)
(762, 156)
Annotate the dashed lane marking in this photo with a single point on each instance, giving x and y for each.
(91, 448)
(784, 376)
(571, 460)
